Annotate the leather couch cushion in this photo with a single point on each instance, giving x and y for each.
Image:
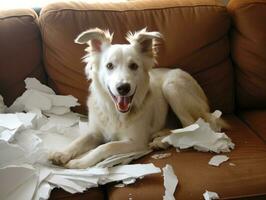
(20, 51)
(256, 120)
(246, 178)
(94, 194)
(248, 44)
(195, 39)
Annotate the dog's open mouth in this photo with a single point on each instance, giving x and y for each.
(122, 103)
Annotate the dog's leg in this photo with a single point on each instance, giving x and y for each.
(157, 140)
(104, 151)
(82, 144)
(187, 99)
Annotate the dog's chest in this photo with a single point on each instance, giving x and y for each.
(111, 126)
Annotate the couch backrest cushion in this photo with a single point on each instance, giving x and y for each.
(248, 46)
(195, 32)
(20, 51)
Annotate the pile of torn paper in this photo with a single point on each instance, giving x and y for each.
(40, 121)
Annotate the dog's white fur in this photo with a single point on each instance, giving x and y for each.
(112, 132)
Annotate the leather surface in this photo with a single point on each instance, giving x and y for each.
(94, 194)
(256, 120)
(20, 52)
(248, 44)
(195, 32)
(247, 178)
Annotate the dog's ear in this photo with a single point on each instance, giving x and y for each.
(95, 38)
(146, 41)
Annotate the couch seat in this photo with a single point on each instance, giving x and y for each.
(246, 179)
(256, 120)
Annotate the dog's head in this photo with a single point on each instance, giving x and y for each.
(121, 69)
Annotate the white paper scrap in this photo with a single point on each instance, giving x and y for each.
(129, 181)
(170, 182)
(20, 182)
(122, 158)
(40, 97)
(8, 135)
(43, 191)
(217, 160)
(217, 113)
(59, 123)
(119, 185)
(10, 121)
(161, 155)
(58, 110)
(31, 100)
(201, 137)
(10, 154)
(135, 170)
(210, 195)
(34, 84)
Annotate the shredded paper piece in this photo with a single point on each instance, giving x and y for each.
(217, 160)
(170, 182)
(210, 195)
(201, 137)
(232, 164)
(161, 155)
(40, 121)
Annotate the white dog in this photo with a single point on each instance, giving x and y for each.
(129, 100)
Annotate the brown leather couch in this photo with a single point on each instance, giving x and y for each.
(224, 48)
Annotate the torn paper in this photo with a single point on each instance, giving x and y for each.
(10, 124)
(217, 160)
(161, 156)
(201, 137)
(34, 84)
(59, 123)
(122, 158)
(210, 195)
(40, 97)
(170, 182)
(20, 182)
(11, 154)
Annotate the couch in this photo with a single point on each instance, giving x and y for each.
(223, 47)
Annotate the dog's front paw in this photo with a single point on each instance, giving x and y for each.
(77, 164)
(59, 158)
(158, 144)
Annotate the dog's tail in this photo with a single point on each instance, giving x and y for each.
(216, 122)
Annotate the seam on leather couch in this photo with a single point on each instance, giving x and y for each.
(251, 128)
(45, 13)
(243, 5)
(5, 14)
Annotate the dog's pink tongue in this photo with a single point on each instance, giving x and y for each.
(123, 103)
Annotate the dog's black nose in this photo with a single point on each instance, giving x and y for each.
(123, 89)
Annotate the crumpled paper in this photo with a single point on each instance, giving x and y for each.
(210, 195)
(201, 137)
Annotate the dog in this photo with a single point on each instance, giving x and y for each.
(129, 98)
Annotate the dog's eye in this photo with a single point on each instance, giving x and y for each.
(110, 66)
(133, 66)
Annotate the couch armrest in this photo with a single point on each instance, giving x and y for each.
(20, 51)
(248, 47)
